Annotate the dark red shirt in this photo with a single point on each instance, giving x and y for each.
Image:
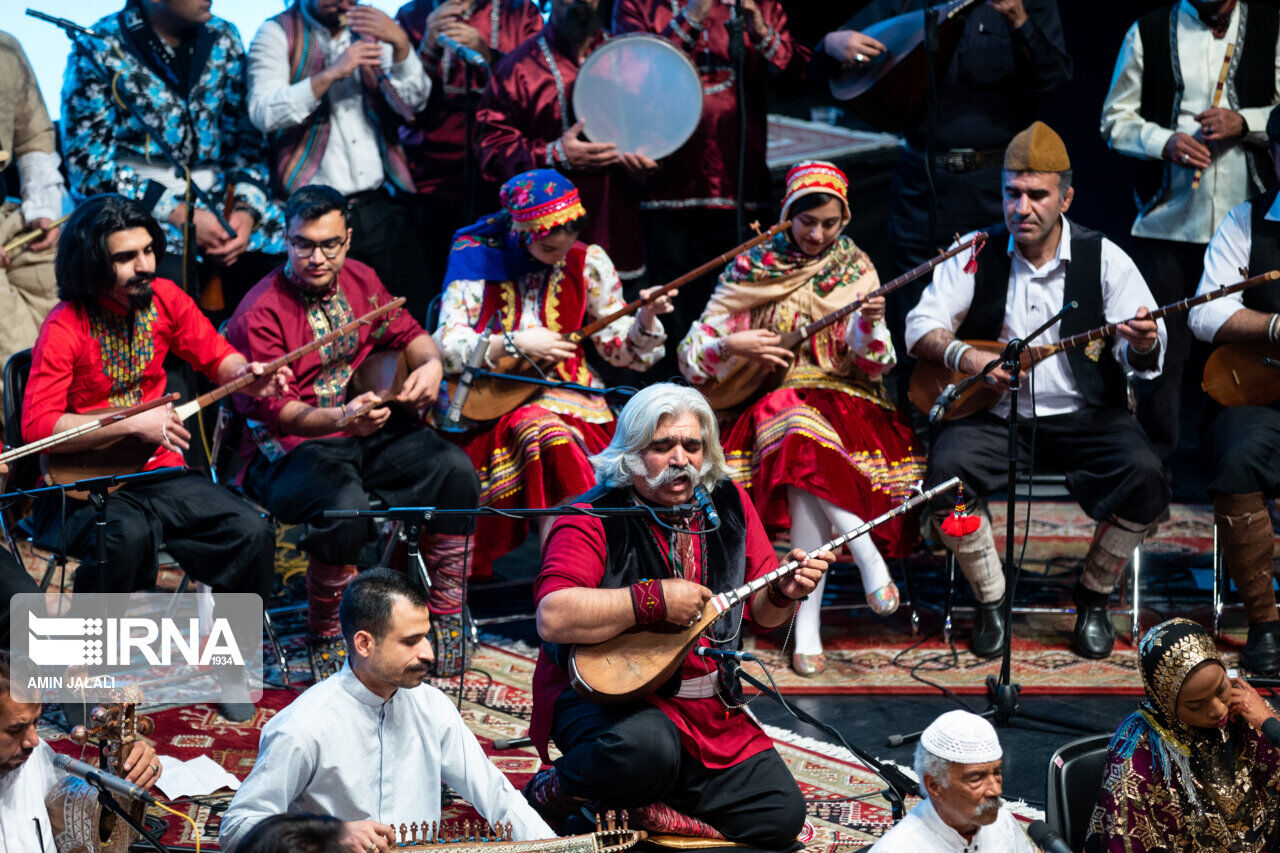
(528, 107)
(108, 356)
(435, 141)
(274, 318)
(704, 172)
(574, 556)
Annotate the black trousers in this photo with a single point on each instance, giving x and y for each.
(1110, 466)
(677, 241)
(1242, 444)
(631, 757)
(403, 464)
(382, 236)
(1172, 271)
(216, 537)
(13, 580)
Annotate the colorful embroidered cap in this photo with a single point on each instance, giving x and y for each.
(540, 201)
(816, 176)
(962, 738)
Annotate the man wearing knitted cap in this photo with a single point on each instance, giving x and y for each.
(958, 762)
(1035, 263)
(1246, 472)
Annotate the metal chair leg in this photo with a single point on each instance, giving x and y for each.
(276, 648)
(951, 586)
(911, 596)
(1135, 598)
(1217, 584)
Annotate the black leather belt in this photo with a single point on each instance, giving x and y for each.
(961, 160)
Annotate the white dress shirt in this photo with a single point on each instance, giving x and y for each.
(922, 831)
(1035, 295)
(351, 161)
(1185, 215)
(1227, 254)
(44, 193)
(24, 819)
(340, 750)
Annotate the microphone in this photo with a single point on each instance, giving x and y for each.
(704, 503)
(464, 383)
(1270, 362)
(70, 26)
(944, 401)
(102, 779)
(466, 54)
(512, 742)
(724, 654)
(1046, 839)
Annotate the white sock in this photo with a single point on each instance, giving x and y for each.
(871, 565)
(809, 529)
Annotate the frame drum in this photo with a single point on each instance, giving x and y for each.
(640, 92)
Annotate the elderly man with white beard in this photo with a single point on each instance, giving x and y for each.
(959, 763)
(688, 759)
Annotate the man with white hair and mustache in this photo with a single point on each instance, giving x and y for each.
(959, 763)
(688, 759)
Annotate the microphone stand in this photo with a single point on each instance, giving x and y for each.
(1003, 707)
(109, 802)
(736, 27)
(898, 785)
(99, 489)
(76, 34)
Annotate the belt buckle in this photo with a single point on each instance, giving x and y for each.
(961, 159)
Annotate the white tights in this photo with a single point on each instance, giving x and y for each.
(814, 521)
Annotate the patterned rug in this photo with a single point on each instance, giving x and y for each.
(844, 805)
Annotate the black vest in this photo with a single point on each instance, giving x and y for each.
(632, 554)
(1264, 254)
(1101, 382)
(1251, 81)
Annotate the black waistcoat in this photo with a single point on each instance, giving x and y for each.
(632, 554)
(1250, 83)
(1264, 254)
(1101, 381)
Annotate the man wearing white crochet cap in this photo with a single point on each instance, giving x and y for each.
(958, 761)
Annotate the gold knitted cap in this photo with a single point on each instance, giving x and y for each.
(1037, 149)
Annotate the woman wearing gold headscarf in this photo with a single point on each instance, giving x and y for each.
(1190, 770)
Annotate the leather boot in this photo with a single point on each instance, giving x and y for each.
(1261, 655)
(1094, 635)
(989, 629)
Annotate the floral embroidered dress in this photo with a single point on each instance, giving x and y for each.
(536, 455)
(1174, 788)
(830, 428)
(206, 124)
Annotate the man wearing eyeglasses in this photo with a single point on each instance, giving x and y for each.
(314, 450)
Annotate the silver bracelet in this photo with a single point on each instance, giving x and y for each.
(953, 355)
(1272, 328)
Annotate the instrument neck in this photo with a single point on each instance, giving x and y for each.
(632, 307)
(906, 278)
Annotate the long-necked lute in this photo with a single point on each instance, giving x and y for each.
(20, 242)
(128, 454)
(612, 835)
(931, 378)
(1243, 374)
(641, 659)
(492, 398)
(748, 378)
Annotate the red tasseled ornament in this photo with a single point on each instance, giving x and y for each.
(960, 523)
(971, 266)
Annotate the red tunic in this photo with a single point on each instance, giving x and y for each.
(273, 319)
(109, 356)
(526, 108)
(704, 172)
(574, 556)
(435, 141)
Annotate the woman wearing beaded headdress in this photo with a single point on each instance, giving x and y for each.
(524, 268)
(1190, 770)
(827, 449)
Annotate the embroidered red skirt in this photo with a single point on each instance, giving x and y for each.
(532, 457)
(850, 450)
